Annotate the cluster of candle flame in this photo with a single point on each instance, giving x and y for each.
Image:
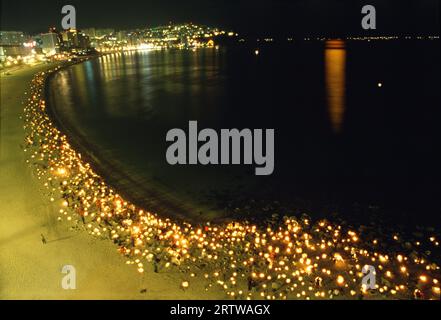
(297, 260)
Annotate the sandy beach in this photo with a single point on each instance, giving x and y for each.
(30, 269)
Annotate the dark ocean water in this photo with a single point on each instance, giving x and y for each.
(342, 141)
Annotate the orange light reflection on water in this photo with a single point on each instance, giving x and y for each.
(335, 65)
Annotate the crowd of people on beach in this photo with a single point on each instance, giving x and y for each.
(296, 259)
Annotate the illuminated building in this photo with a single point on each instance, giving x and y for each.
(75, 40)
(50, 43)
(11, 38)
(12, 44)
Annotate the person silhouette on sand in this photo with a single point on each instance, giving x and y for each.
(43, 239)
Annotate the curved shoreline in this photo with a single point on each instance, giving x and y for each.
(31, 270)
(300, 259)
(142, 195)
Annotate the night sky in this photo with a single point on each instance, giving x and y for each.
(252, 17)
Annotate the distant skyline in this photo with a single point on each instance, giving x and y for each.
(248, 17)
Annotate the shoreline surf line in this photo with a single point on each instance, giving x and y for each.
(143, 196)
